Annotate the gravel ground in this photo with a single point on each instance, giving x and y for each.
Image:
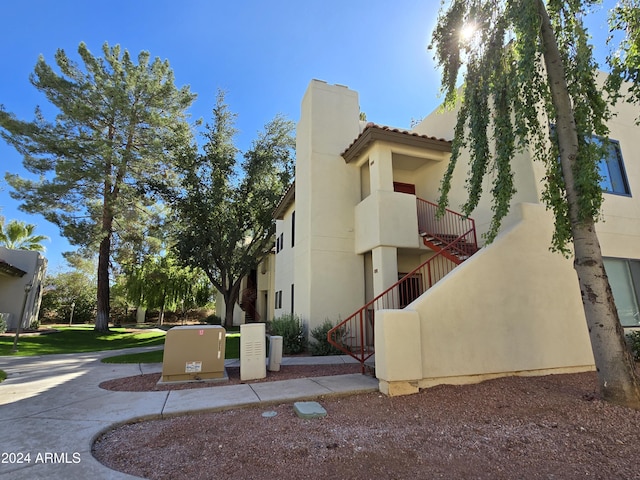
(552, 427)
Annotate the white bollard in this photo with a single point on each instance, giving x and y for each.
(275, 353)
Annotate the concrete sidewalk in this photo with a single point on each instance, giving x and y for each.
(51, 408)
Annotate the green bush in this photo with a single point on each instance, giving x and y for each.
(213, 319)
(34, 325)
(291, 329)
(3, 323)
(633, 339)
(321, 346)
(63, 290)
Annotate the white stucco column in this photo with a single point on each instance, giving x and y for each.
(381, 169)
(385, 268)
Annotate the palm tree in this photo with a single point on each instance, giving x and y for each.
(18, 235)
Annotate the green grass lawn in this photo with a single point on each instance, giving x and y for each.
(232, 350)
(77, 339)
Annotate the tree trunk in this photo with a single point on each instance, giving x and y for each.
(230, 300)
(104, 255)
(103, 307)
(615, 366)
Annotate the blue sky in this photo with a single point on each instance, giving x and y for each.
(263, 54)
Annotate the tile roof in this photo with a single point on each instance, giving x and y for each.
(373, 132)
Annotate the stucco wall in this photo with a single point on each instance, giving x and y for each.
(328, 274)
(285, 259)
(12, 289)
(386, 218)
(513, 308)
(441, 123)
(619, 232)
(266, 286)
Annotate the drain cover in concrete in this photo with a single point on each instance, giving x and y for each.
(309, 410)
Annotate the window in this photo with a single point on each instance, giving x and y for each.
(404, 188)
(293, 229)
(280, 243)
(292, 310)
(611, 169)
(278, 299)
(624, 278)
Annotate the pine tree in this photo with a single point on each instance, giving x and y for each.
(117, 126)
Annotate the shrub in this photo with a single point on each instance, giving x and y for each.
(3, 322)
(321, 346)
(291, 329)
(34, 325)
(633, 339)
(213, 319)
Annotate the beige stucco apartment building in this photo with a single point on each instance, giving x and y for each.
(352, 226)
(21, 275)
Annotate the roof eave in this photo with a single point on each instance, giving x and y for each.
(286, 201)
(10, 270)
(373, 133)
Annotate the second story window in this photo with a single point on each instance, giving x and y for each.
(613, 178)
(611, 169)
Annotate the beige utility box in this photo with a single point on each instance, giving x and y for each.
(253, 353)
(194, 352)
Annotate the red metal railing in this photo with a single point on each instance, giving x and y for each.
(452, 237)
(454, 231)
(354, 335)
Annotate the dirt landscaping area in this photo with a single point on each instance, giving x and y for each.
(552, 427)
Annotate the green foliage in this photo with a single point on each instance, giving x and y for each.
(66, 289)
(159, 282)
(3, 376)
(291, 329)
(624, 19)
(633, 339)
(505, 105)
(3, 323)
(117, 128)
(19, 235)
(34, 325)
(80, 339)
(213, 319)
(222, 208)
(321, 346)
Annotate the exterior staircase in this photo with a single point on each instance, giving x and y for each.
(452, 237)
(248, 305)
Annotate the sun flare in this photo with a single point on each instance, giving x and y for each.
(467, 32)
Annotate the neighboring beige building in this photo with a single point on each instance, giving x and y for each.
(21, 276)
(359, 219)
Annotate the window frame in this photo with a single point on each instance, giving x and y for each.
(614, 145)
(632, 274)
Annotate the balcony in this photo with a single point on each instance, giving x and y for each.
(386, 218)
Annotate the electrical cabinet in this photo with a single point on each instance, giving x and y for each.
(194, 352)
(253, 355)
